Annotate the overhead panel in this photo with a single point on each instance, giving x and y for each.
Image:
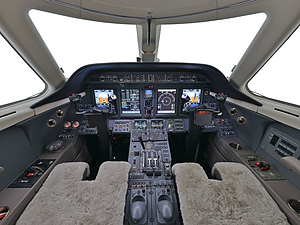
(226, 3)
(133, 11)
(141, 8)
(71, 2)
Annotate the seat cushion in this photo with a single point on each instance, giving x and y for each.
(238, 198)
(65, 198)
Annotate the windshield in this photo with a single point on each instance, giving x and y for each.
(76, 42)
(219, 43)
(15, 72)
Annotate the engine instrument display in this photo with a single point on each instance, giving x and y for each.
(194, 94)
(102, 96)
(140, 124)
(157, 124)
(166, 101)
(130, 101)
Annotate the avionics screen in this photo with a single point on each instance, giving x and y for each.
(101, 96)
(148, 94)
(140, 124)
(194, 94)
(166, 100)
(130, 100)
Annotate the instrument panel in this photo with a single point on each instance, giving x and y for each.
(146, 101)
(145, 95)
(150, 79)
(128, 97)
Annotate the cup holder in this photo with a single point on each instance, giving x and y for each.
(235, 146)
(294, 205)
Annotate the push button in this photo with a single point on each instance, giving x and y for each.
(30, 175)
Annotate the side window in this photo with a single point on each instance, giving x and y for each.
(279, 78)
(17, 80)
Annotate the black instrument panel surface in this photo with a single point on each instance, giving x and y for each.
(139, 75)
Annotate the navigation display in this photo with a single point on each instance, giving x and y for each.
(130, 101)
(166, 100)
(102, 96)
(194, 94)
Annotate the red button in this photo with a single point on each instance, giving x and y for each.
(30, 175)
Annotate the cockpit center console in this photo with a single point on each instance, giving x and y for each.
(152, 194)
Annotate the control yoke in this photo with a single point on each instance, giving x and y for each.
(220, 98)
(74, 98)
(184, 99)
(113, 100)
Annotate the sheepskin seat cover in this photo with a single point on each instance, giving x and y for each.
(66, 199)
(239, 198)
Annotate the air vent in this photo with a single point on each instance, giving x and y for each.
(280, 153)
(274, 140)
(289, 144)
(285, 148)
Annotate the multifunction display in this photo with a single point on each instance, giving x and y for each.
(140, 125)
(157, 124)
(194, 94)
(102, 96)
(130, 101)
(166, 101)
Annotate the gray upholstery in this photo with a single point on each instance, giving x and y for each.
(66, 199)
(239, 198)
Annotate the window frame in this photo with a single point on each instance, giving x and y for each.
(258, 95)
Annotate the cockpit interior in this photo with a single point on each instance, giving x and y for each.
(148, 142)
